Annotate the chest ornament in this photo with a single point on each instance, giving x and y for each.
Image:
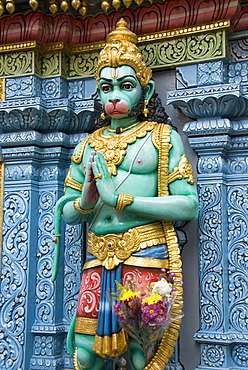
(114, 147)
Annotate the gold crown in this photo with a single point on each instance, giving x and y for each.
(121, 49)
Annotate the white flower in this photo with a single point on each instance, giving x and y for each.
(161, 287)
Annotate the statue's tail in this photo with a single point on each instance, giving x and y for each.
(70, 340)
(57, 231)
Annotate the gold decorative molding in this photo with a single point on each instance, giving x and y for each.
(87, 47)
(155, 36)
(2, 89)
(53, 47)
(30, 45)
(213, 26)
(27, 45)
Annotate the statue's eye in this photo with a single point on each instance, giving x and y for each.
(106, 87)
(127, 86)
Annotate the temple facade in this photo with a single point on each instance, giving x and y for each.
(198, 51)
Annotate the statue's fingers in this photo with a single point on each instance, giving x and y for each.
(95, 168)
(89, 173)
(98, 163)
(92, 155)
(103, 164)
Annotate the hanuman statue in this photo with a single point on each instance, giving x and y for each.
(129, 181)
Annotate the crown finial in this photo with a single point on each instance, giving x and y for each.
(122, 33)
(121, 49)
(121, 23)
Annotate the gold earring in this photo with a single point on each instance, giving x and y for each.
(103, 117)
(145, 110)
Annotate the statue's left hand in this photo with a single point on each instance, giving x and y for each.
(104, 182)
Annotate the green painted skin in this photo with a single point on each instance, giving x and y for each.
(139, 169)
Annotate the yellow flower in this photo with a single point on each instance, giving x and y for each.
(127, 294)
(153, 299)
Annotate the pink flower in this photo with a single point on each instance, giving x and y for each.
(154, 314)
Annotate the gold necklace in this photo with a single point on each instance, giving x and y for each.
(114, 147)
(120, 130)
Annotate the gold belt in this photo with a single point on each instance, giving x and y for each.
(113, 249)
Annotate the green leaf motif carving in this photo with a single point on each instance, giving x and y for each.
(149, 53)
(51, 64)
(38, 63)
(187, 49)
(18, 63)
(65, 65)
(1, 65)
(83, 65)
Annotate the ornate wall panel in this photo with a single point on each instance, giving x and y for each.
(238, 251)
(15, 264)
(1, 203)
(160, 49)
(183, 50)
(73, 256)
(215, 95)
(34, 315)
(212, 288)
(239, 49)
(48, 104)
(44, 310)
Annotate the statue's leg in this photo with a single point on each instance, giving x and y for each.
(87, 359)
(136, 355)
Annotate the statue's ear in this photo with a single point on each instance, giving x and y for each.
(149, 90)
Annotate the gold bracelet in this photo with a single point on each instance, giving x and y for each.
(76, 205)
(123, 201)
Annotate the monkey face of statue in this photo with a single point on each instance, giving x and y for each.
(119, 90)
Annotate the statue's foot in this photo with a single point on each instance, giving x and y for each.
(85, 358)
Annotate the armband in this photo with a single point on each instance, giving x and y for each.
(76, 205)
(183, 171)
(71, 183)
(123, 200)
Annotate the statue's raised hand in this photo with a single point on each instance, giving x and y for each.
(104, 182)
(90, 194)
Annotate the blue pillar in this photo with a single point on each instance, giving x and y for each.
(219, 135)
(36, 146)
(35, 312)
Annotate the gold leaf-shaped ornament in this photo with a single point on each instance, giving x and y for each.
(105, 6)
(64, 5)
(116, 4)
(127, 3)
(76, 4)
(10, 7)
(34, 4)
